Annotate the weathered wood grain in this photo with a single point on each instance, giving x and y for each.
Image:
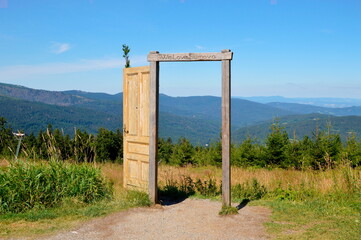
(136, 84)
(188, 57)
(226, 132)
(154, 58)
(153, 127)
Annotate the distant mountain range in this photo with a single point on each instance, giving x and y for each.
(322, 102)
(307, 109)
(196, 118)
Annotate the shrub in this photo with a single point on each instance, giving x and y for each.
(249, 190)
(207, 188)
(24, 186)
(187, 187)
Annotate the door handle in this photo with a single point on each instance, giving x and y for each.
(125, 130)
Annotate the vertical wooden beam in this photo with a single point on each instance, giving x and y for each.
(153, 131)
(226, 131)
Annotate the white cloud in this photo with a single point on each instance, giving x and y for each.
(273, 2)
(85, 65)
(59, 48)
(200, 47)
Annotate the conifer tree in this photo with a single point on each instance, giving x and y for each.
(276, 144)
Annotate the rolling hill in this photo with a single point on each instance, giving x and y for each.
(32, 117)
(42, 96)
(197, 118)
(303, 125)
(244, 112)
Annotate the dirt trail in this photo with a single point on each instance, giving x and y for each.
(190, 219)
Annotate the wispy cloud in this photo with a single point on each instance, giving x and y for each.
(86, 65)
(59, 48)
(274, 2)
(3, 3)
(200, 47)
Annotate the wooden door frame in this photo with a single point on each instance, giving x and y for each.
(154, 57)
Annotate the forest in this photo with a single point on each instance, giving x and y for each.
(322, 150)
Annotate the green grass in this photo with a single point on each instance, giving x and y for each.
(319, 205)
(228, 210)
(314, 218)
(38, 198)
(36, 222)
(299, 211)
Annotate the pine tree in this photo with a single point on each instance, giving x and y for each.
(276, 143)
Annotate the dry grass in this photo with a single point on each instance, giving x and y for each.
(320, 181)
(114, 172)
(4, 163)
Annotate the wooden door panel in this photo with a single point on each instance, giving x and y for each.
(136, 127)
(138, 148)
(133, 104)
(144, 105)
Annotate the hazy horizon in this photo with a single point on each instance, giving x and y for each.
(233, 96)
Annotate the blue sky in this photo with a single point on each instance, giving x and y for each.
(292, 48)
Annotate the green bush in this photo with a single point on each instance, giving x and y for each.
(25, 186)
(207, 188)
(249, 190)
(187, 187)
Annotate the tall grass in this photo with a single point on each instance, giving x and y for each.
(277, 183)
(25, 186)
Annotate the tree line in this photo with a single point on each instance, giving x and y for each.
(320, 151)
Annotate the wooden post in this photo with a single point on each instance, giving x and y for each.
(154, 58)
(226, 130)
(153, 131)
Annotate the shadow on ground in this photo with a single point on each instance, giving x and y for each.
(243, 204)
(172, 195)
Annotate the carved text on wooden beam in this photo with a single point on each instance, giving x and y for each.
(178, 57)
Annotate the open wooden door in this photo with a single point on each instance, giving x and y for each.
(136, 84)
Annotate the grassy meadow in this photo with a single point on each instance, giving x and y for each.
(307, 204)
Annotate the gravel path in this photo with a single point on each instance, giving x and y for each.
(190, 219)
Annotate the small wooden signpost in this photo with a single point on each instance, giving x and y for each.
(154, 58)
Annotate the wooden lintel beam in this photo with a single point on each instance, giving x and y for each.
(189, 57)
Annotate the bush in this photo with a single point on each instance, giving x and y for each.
(250, 191)
(25, 186)
(207, 188)
(187, 187)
